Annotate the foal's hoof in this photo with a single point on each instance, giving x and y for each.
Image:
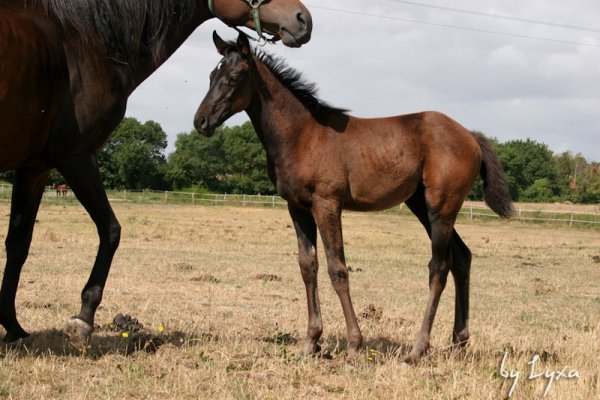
(79, 332)
(411, 360)
(309, 348)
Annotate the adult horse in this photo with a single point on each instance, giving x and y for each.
(66, 71)
(321, 160)
(61, 189)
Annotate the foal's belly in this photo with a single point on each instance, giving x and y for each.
(380, 194)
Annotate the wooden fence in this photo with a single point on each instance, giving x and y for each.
(470, 210)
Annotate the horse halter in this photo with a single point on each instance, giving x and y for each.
(255, 6)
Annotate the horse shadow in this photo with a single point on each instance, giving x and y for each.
(332, 346)
(56, 343)
(379, 349)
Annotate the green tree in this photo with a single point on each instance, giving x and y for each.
(525, 162)
(570, 174)
(197, 161)
(134, 156)
(539, 191)
(231, 161)
(588, 189)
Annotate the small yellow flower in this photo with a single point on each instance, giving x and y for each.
(161, 328)
(125, 334)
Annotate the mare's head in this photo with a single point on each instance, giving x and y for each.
(230, 88)
(287, 20)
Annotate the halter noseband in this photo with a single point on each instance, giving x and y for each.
(255, 5)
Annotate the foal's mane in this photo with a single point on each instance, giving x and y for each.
(304, 91)
(123, 27)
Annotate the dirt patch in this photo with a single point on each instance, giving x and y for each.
(206, 278)
(268, 278)
(36, 305)
(281, 338)
(529, 264)
(183, 267)
(542, 287)
(596, 259)
(371, 313)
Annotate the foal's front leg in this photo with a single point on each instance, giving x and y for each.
(329, 220)
(306, 231)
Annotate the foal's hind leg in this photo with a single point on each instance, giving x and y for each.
(84, 178)
(27, 193)
(328, 216)
(306, 231)
(439, 228)
(461, 269)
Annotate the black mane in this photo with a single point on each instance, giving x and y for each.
(123, 27)
(304, 91)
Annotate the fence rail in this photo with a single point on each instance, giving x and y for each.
(470, 210)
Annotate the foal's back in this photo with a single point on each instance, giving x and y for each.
(375, 164)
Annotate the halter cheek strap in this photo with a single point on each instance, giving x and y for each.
(255, 5)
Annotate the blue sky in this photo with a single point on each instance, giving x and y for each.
(390, 57)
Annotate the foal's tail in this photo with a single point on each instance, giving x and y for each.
(495, 185)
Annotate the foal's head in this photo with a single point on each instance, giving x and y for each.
(230, 85)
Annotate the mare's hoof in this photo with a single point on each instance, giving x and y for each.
(13, 337)
(79, 332)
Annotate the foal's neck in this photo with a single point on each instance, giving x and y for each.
(279, 118)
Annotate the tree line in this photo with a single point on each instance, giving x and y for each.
(234, 161)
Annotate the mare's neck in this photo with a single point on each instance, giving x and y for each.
(148, 63)
(279, 118)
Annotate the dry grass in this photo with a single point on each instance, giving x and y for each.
(225, 286)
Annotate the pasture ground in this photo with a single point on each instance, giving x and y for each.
(220, 296)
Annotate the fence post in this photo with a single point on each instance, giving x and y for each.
(471, 208)
(166, 196)
(273, 201)
(244, 201)
(124, 194)
(572, 218)
(193, 198)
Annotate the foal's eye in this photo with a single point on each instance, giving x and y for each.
(235, 79)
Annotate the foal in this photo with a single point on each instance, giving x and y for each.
(322, 160)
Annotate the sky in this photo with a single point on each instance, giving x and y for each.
(511, 69)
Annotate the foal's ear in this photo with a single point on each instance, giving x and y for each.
(243, 44)
(220, 44)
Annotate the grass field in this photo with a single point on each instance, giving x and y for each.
(220, 296)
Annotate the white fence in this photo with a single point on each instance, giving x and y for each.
(470, 210)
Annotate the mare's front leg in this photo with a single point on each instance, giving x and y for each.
(306, 231)
(26, 195)
(82, 174)
(328, 215)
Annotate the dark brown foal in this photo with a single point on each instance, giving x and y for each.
(322, 161)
